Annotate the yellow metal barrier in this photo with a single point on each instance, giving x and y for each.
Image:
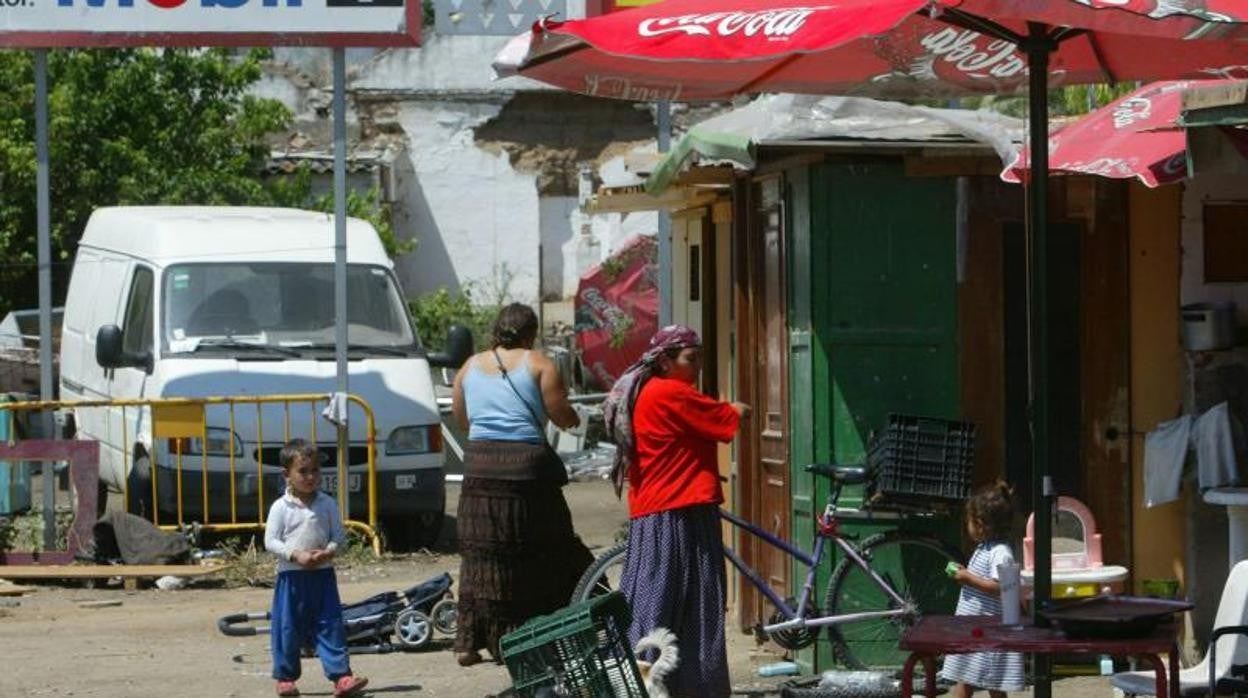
(181, 419)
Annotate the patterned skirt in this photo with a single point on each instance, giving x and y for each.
(520, 557)
(674, 578)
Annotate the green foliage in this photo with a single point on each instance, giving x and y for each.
(127, 127)
(1065, 101)
(367, 206)
(434, 313)
(428, 15)
(25, 531)
(1081, 99)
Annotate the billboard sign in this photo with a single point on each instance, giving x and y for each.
(94, 23)
(490, 18)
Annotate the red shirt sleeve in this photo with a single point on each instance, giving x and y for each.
(707, 417)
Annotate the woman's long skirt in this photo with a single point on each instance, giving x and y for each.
(674, 578)
(520, 557)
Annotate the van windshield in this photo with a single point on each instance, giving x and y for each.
(272, 307)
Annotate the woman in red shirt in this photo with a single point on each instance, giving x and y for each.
(666, 434)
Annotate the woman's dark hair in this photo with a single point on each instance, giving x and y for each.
(516, 326)
(992, 509)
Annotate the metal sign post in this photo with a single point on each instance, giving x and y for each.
(43, 245)
(341, 336)
(663, 115)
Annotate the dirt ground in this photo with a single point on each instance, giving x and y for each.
(161, 643)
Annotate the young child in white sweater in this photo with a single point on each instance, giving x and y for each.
(304, 530)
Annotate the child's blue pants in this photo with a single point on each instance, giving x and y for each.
(306, 608)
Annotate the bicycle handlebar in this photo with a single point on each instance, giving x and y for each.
(841, 474)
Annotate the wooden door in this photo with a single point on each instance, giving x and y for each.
(764, 370)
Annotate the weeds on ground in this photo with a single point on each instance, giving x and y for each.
(247, 563)
(25, 531)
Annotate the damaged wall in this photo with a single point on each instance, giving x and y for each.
(485, 178)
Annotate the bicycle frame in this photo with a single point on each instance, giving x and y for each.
(796, 617)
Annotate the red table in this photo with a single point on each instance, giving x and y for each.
(938, 635)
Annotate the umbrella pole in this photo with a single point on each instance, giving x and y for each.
(1039, 45)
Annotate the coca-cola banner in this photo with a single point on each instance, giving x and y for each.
(1135, 136)
(711, 49)
(617, 310)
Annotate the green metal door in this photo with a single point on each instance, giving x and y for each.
(883, 325)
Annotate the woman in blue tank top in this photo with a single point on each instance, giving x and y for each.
(520, 557)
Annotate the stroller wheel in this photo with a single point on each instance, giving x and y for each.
(413, 628)
(445, 614)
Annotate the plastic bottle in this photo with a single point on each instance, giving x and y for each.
(779, 669)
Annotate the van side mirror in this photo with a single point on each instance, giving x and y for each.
(110, 354)
(458, 348)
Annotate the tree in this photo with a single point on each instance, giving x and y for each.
(129, 127)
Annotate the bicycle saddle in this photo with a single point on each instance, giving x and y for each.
(842, 474)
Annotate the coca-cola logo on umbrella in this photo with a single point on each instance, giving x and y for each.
(773, 23)
(1129, 111)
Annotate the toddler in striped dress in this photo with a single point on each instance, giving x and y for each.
(989, 514)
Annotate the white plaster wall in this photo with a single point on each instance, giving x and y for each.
(614, 229)
(442, 64)
(478, 221)
(1197, 192)
(559, 243)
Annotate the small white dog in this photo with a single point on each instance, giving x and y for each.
(653, 673)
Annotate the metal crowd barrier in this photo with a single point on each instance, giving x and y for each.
(181, 419)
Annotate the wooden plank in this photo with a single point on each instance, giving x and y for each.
(9, 589)
(709, 174)
(1211, 96)
(105, 571)
(629, 199)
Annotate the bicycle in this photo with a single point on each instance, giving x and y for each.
(880, 586)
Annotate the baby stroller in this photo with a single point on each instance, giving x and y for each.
(411, 616)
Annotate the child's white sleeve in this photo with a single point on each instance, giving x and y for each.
(273, 531)
(1001, 554)
(337, 533)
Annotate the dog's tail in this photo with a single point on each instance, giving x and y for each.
(664, 641)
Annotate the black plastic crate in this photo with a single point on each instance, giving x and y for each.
(922, 458)
(581, 650)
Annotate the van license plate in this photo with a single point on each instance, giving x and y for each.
(404, 482)
(329, 482)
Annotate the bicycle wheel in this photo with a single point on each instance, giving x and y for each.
(603, 575)
(914, 567)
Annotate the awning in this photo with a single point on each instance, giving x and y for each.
(734, 136)
(1216, 117)
(1136, 136)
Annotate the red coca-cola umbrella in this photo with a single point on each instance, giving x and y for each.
(1136, 136)
(708, 49)
(711, 49)
(617, 310)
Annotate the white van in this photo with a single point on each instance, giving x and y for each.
(231, 301)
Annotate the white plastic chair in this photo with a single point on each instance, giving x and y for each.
(1232, 649)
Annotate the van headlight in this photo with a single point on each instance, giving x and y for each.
(218, 439)
(413, 439)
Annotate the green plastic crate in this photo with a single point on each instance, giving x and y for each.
(581, 650)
